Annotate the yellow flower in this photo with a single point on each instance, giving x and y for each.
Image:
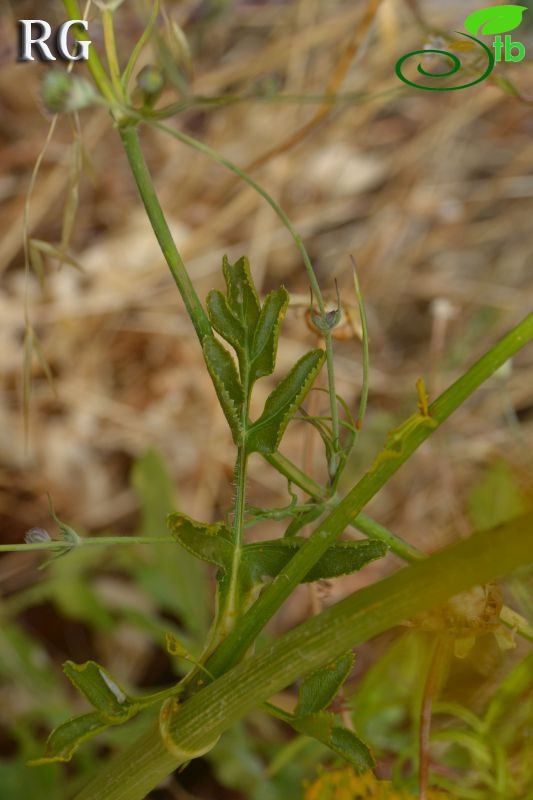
(345, 784)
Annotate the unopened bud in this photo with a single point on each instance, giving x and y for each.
(62, 91)
(36, 536)
(150, 81)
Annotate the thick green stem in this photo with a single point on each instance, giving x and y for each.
(130, 140)
(237, 643)
(482, 558)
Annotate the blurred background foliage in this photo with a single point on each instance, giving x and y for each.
(432, 194)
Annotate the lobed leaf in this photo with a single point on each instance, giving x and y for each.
(101, 690)
(265, 341)
(66, 738)
(342, 558)
(226, 382)
(318, 689)
(265, 434)
(211, 543)
(242, 295)
(224, 320)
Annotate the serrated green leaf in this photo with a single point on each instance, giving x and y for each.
(242, 295)
(66, 738)
(101, 690)
(342, 558)
(318, 689)
(224, 320)
(265, 341)
(211, 543)
(496, 19)
(265, 434)
(343, 742)
(226, 382)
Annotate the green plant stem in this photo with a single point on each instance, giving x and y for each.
(233, 598)
(235, 646)
(111, 52)
(362, 522)
(93, 62)
(86, 542)
(223, 100)
(137, 50)
(366, 351)
(278, 210)
(483, 557)
(130, 141)
(373, 530)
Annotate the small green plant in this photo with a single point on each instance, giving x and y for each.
(238, 335)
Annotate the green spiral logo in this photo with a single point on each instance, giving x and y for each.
(456, 67)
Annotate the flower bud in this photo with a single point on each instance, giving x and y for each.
(62, 91)
(36, 536)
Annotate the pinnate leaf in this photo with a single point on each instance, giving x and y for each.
(496, 19)
(265, 434)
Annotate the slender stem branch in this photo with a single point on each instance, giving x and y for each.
(143, 179)
(437, 663)
(397, 545)
(100, 541)
(95, 65)
(111, 52)
(483, 557)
